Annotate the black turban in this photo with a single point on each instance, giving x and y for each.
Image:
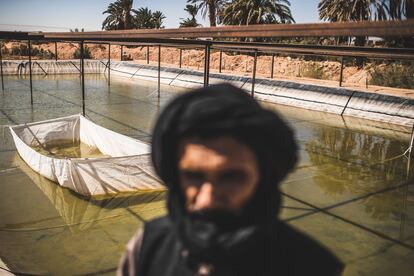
(224, 110)
(220, 110)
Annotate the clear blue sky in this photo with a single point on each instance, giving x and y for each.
(60, 15)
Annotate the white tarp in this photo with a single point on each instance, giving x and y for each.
(126, 170)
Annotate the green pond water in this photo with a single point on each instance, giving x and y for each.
(352, 189)
(68, 149)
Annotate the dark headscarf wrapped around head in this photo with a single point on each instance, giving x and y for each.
(224, 110)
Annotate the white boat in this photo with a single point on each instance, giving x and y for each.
(123, 167)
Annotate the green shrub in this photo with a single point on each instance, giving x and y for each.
(46, 54)
(23, 50)
(311, 70)
(86, 53)
(393, 75)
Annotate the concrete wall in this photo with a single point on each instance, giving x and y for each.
(21, 67)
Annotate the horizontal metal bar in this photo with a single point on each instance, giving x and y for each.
(373, 53)
(18, 35)
(361, 28)
(298, 49)
(166, 44)
(163, 37)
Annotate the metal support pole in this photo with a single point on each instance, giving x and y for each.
(56, 52)
(366, 74)
(181, 57)
(82, 78)
(122, 51)
(206, 65)
(254, 72)
(1, 66)
(37, 63)
(342, 70)
(147, 54)
(347, 102)
(109, 64)
(407, 153)
(273, 65)
(220, 60)
(80, 64)
(30, 71)
(159, 70)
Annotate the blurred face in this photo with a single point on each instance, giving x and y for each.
(217, 174)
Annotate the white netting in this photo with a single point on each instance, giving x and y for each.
(125, 169)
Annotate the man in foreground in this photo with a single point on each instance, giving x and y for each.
(222, 157)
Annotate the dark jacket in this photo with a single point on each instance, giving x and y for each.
(284, 252)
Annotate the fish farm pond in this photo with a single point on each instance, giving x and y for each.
(352, 189)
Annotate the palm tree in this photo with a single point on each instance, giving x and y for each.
(212, 6)
(127, 7)
(401, 8)
(144, 18)
(115, 19)
(190, 22)
(192, 10)
(353, 10)
(157, 19)
(249, 12)
(409, 9)
(119, 15)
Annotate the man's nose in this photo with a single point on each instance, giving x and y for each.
(204, 198)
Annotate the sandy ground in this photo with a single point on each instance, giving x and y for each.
(284, 67)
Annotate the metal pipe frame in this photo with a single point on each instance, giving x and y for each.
(318, 50)
(80, 62)
(56, 51)
(299, 49)
(364, 63)
(206, 65)
(30, 71)
(159, 71)
(1, 66)
(169, 38)
(75, 66)
(109, 63)
(337, 29)
(83, 77)
(273, 65)
(347, 102)
(220, 60)
(341, 73)
(254, 72)
(37, 63)
(181, 58)
(370, 52)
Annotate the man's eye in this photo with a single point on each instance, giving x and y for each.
(193, 177)
(233, 177)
